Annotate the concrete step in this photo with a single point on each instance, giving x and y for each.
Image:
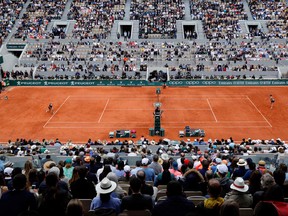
(67, 9)
(127, 10)
(187, 10)
(247, 10)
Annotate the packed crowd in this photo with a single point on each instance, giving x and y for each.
(220, 18)
(35, 20)
(276, 14)
(94, 20)
(97, 174)
(9, 13)
(110, 57)
(157, 17)
(268, 10)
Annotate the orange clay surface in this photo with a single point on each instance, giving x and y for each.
(81, 113)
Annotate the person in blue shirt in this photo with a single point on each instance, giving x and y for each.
(149, 172)
(105, 200)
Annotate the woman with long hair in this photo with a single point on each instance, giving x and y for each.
(165, 177)
(27, 167)
(75, 175)
(105, 172)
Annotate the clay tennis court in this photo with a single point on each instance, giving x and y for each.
(81, 113)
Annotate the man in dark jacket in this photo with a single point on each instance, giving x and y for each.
(18, 200)
(136, 201)
(225, 182)
(175, 204)
(83, 188)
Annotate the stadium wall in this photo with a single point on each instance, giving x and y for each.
(172, 83)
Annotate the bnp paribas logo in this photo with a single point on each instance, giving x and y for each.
(18, 83)
(72, 83)
(45, 83)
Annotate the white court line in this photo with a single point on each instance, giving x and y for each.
(259, 111)
(212, 110)
(103, 110)
(149, 98)
(161, 109)
(208, 127)
(56, 111)
(194, 122)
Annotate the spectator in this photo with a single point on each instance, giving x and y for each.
(174, 170)
(222, 171)
(271, 191)
(193, 180)
(55, 199)
(136, 201)
(105, 200)
(74, 208)
(261, 167)
(252, 167)
(229, 208)
(3, 187)
(149, 172)
(241, 170)
(127, 174)
(164, 177)
(119, 169)
(136, 169)
(205, 167)
(61, 184)
(118, 192)
(239, 193)
(13, 202)
(255, 182)
(145, 188)
(27, 167)
(68, 168)
(211, 205)
(175, 203)
(279, 176)
(82, 188)
(155, 165)
(106, 170)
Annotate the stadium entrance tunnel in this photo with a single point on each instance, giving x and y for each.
(127, 29)
(189, 32)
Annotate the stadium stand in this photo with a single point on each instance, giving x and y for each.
(73, 39)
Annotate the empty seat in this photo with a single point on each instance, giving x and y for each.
(246, 212)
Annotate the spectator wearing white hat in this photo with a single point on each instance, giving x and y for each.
(105, 200)
(239, 193)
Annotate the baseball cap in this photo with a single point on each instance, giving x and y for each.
(222, 168)
(145, 161)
